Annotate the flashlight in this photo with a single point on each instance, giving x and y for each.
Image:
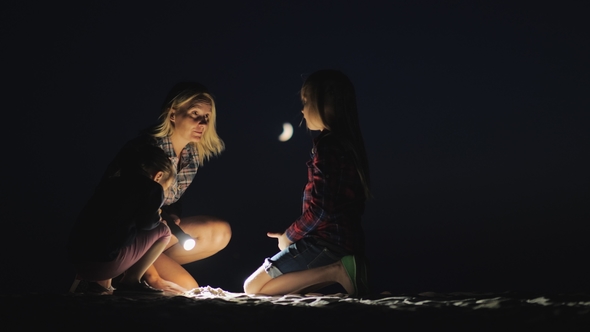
(187, 242)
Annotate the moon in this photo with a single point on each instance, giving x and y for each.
(287, 132)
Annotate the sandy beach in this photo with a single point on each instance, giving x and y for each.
(207, 309)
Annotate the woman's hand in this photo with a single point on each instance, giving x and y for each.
(284, 241)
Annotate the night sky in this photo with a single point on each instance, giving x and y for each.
(475, 116)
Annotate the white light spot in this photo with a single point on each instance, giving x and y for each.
(189, 244)
(287, 132)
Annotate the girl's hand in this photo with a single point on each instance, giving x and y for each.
(175, 218)
(152, 277)
(167, 286)
(284, 241)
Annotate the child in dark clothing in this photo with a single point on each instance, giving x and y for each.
(119, 230)
(325, 245)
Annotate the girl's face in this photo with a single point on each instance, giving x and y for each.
(311, 116)
(191, 124)
(166, 184)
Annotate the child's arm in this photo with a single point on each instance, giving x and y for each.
(284, 241)
(149, 215)
(169, 217)
(152, 277)
(174, 210)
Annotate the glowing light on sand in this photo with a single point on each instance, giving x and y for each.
(287, 132)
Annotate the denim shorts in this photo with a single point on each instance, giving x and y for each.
(304, 254)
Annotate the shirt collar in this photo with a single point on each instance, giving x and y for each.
(187, 156)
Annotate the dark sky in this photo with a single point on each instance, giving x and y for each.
(475, 118)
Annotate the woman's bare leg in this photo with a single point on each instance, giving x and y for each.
(210, 233)
(166, 270)
(295, 282)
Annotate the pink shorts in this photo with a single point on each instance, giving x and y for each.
(96, 271)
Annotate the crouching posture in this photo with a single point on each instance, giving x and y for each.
(119, 231)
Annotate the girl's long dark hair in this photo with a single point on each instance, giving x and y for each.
(333, 96)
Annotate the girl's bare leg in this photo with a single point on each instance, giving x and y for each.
(105, 283)
(296, 282)
(137, 270)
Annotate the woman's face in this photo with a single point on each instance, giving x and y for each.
(191, 124)
(312, 119)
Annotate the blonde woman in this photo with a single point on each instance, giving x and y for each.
(186, 132)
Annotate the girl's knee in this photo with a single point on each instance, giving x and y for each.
(250, 287)
(254, 283)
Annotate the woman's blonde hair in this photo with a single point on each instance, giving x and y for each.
(332, 98)
(181, 97)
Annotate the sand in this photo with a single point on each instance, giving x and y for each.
(207, 309)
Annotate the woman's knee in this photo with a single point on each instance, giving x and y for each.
(222, 233)
(216, 233)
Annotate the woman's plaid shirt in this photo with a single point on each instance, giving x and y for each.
(186, 169)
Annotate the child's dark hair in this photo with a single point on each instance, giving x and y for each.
(332, 96)
(147, 160)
